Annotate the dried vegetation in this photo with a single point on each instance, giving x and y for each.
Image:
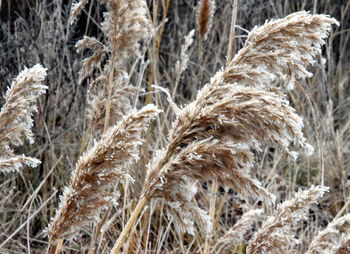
(158, 141)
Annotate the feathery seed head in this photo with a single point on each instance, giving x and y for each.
(276, 233)
(242, 109)
(236, 234)
(16, 116)
(103, 165)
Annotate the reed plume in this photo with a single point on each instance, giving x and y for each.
(101, 166)
(213, 138)
(125, 25)
(241, 110)
(16, 117)
(238, 111)
(326, 240)
(236, 234)
(205, 15)
(276, 234)
(181, 65)
(121, 93)
(280, 51)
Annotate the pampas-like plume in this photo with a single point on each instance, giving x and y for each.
(205, 14)
(181, 65)
(331, 236)
(280, 51)
(236, 234)
(213, 138)
(276, 233)
(239, 111)
(125, 24)
(14, 163)
(16, 117)
(103, 165)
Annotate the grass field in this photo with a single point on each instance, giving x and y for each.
(173, 126)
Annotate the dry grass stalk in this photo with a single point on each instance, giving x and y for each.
(239, 111)
(331, 236)
(231, 44)
(16, 117)
(103, 165)
(236, 234)
(276, 233)
(205, 15)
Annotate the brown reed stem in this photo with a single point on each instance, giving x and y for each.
(131, 222)
(231, 45)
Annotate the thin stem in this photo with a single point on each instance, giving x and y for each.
(231, 44)
(214, 188)
(110, 79)
(131, 222)
(156, 45)
(109, 102)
